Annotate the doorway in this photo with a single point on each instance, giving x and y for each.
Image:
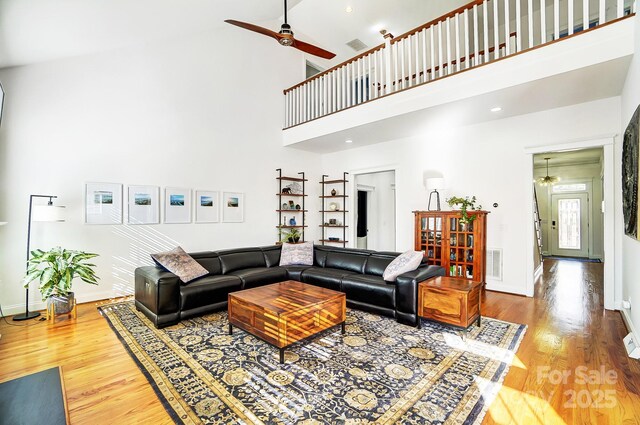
(375, 211)
(569, 225)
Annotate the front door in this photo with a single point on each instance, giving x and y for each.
(570, 225)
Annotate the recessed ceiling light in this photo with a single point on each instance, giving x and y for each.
(348, 141)
(496, 109)
(349, 9)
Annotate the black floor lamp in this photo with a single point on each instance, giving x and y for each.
(47, 212)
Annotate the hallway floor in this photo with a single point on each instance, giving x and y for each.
(572, 367)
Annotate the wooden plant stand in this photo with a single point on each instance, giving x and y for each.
(51, 311)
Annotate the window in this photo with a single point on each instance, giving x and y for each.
(571, 187)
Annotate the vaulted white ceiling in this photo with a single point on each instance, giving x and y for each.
(34, 31)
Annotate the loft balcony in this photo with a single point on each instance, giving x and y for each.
(532, 54)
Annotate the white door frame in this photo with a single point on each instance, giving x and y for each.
(612, 281)
(354, 197)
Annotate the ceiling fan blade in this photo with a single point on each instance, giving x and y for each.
(254, 28)
(313, 50)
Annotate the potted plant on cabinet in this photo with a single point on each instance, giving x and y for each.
(55, 271)
(465, 204)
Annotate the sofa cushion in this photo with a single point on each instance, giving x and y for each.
(405, 262)
(260, 276)
(271, 255)
(327, 278)
(209, 260)
(369, 290)
(297, 254)
(346, 261)
(180, 263)
(377, 263)
(241, 259)
(295, 272)
(208, 290)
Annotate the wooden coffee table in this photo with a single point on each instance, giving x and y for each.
(286, 312)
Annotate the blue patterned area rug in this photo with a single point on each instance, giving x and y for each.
(380, 372)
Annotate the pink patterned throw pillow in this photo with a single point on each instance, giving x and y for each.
(405, 262)
(297, 254)
(180, 263)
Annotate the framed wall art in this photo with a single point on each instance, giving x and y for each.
(207, 206)
(232, 207)
(630, 160)
(177, 205)
(103, 203)
(144, 205)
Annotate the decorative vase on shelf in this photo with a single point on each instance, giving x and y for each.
(334, 192)
(292, 221)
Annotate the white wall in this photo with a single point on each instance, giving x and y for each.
(630, 247)
(382, 234)
(193, 113)
(486, 160)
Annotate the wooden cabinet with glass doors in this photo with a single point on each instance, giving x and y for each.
(459, 248)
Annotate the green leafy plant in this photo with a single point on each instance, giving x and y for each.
(292, 235)
(465, 204)
(56, 269)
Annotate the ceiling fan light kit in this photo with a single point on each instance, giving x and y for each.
(285, 36)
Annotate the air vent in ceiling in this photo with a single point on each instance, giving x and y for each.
(357, 45)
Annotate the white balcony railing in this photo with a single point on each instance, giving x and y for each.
(472, 35)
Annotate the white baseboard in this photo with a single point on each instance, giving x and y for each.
(491, 286)
(10, 310)
(538, 271)
(626, 317)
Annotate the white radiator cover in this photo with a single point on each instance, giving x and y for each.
(494, 263)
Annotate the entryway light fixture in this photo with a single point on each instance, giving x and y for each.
(547, 180)
(496, 109)
(47, 212)
(348, 141)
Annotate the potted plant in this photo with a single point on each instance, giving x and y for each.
(465, 204)
(55, 271)
(292, 236)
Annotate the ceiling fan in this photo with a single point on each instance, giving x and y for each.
(285, 36)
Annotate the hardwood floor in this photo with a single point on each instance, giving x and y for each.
(571, 366)
(568, 330)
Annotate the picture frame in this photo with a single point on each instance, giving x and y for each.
(144, 204)
(232, 207)
(103, 203)
(177, 205)
(207, 206)
(630, 175)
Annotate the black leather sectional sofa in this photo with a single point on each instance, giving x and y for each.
(166, 300)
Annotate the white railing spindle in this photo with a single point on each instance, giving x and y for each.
(457, 28)
(570, 17)
(543, 22)
(485, 18)
(556, 19)
(507, 30)
(585, 14)
(496, 31)
(424, 56)
(433, 53)
(441, 62)
(476, 36)
(530, 41)
(467, 63)
(603, 11)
